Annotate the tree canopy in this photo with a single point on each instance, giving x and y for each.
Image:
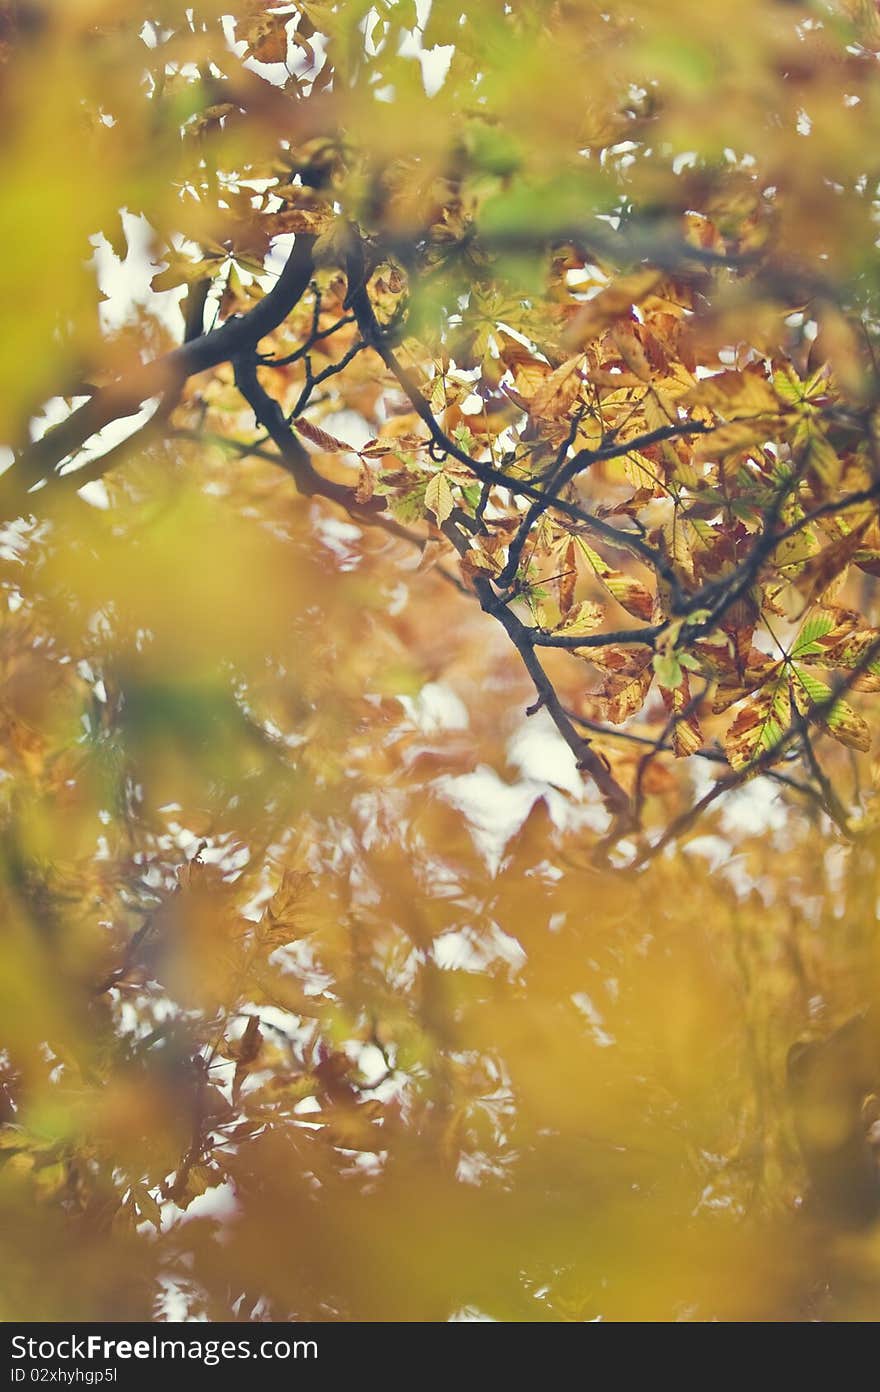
(440, 658)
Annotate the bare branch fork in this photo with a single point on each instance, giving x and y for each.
(166, 375)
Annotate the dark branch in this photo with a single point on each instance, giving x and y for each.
(165, 375)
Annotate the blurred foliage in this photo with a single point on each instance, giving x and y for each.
(333, 985)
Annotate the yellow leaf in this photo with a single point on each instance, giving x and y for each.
(555, 395)
(630, 593)
(618, 299)
(438, 497)
(628, 676)
(586, 618)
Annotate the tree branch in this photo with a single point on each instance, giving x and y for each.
(164, 375)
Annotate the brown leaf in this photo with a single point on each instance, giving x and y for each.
(267, 39)
(322, 438)
(631, 351)
(610, 304)
(566, 580)
(856, 650)
(312, 220)
(628, 676)
(630, 593)
(555, 396)
(820, 570)
(476, 564)
(366, 484)
(735, 394)
(687, 737)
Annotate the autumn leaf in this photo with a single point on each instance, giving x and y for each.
(823, 568)
(687, 736)
(266, 37)
(366, 485)
(587, 617)
(557, 393)
(735, 681)
(837, 718)
(322, 438)
(147, 1207)
(478, 564)
(855, 651)
(761, 722)
(295, 909)
(726, 440)
(611, 303)
(563, 558)
(795, 392)
(313, 219)
(822, 633)
(630, 593)
(632, 352)
(245, 1052)
(439, 498)
(628, 674)
(735, 394)
(818, 455)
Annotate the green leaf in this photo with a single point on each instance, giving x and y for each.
(817, 692)
(408, 507)
(788, 387)
(667, 668)
(841, 721)
(760, 724)
(816, 626)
